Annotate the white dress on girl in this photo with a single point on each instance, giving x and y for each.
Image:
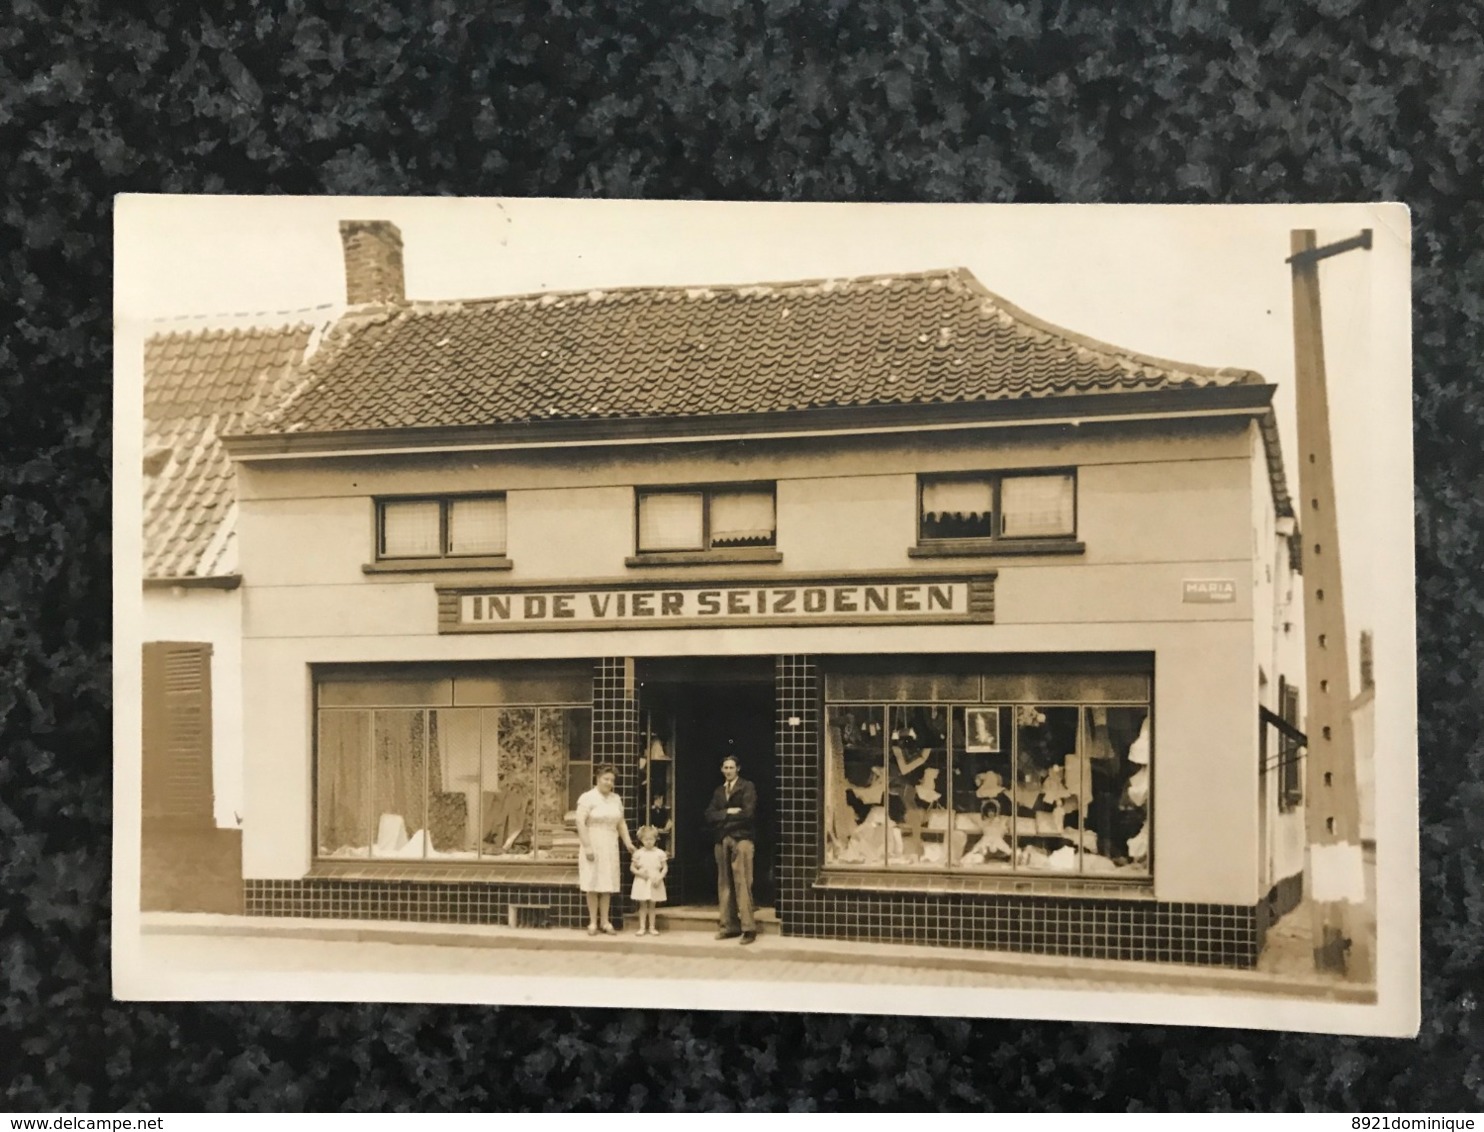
(649, 880)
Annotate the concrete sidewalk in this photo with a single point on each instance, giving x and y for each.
(557, 951)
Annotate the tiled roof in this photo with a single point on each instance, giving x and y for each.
(198, 387)
(649, 352)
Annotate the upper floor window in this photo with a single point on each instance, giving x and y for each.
(713, 518)
(465, 526)
(1035, 505)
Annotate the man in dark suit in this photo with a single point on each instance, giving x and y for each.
(730, 816)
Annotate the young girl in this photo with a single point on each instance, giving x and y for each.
(650, 866)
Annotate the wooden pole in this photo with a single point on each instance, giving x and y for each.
(1336, 871)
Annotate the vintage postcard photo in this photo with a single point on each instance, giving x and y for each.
(908, 609)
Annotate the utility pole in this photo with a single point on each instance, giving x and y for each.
(1336, 864)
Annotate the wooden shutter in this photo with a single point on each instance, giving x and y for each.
(177, 732)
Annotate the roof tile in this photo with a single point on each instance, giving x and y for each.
(198, 387)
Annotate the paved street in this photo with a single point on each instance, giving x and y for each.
(247, 945)
(183, 952)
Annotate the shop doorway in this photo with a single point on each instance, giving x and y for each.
(701, 710)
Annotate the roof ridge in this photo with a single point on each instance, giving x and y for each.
(689, 290)
(223, 333)
(280, 319)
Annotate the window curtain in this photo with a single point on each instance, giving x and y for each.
(957, 509)
(399, 773)
(742, 518)
(1036, 506)
(344, 783)
(476, 526)
(671, 521)
(454, 772)
(410, 530)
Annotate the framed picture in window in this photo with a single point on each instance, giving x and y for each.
(982, 731)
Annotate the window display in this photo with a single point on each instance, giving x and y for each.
(1029, 788)
(982, 775)
(446, 782)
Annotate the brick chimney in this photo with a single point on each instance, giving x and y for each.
(373, 262)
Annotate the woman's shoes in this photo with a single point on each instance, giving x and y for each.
(592, 929)
(605, 928)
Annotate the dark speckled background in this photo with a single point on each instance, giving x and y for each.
(1251, 100)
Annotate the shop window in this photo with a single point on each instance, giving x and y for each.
(451, 780)
(455, 527)
(1017, 788)
(680, 520)
(1001, 506)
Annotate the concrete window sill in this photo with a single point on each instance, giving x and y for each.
(995, 548)
(881, 880)
(434, 565)
(752, 555)
(448, 872)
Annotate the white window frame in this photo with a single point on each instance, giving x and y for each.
(706, 491)
(445, 507)
(996, 482)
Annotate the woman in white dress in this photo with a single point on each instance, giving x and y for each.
(600, 826)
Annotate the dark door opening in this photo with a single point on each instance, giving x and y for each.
(713, 710)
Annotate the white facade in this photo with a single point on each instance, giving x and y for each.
(1159, 504)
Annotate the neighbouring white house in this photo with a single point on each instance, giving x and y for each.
(198, 386)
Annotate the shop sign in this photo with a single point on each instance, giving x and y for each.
(854, 601)
(1210, 591)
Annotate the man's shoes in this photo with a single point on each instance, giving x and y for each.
(724, 934)
(749, 937)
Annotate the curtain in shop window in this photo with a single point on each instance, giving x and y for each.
(957, 509)
(671, 521)
(344, 783)
(1036, 506)
(410, 529)
(476, 526)
(454, 779)
(742, 518)
(399, 772)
